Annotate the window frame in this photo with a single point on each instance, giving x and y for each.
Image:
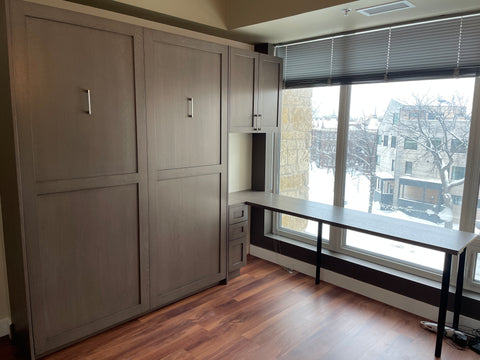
(337, 238)
(408, 167)
(409, 144)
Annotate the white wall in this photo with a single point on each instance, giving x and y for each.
(140, 22)
(239, 162)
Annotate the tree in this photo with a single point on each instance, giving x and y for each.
(441, 129)
(362, 151)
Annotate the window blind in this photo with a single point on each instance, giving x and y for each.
(433, 49)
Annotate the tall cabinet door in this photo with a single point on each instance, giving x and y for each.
(187, 135)
(269, 94)
(82, 139)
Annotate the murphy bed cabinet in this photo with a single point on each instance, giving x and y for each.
(96, 234)
(255, 85)
(187, 137)
(82, 170)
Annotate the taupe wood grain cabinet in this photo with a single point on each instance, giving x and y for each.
(255, 88)
(95, 233)
(237, 238)
(187, 137)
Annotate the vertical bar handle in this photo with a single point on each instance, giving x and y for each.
(190, 107)
(259, 122)
(89, 100)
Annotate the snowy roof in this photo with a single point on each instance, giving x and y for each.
(384, 175)
(433, 181)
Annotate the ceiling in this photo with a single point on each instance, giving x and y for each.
(277, 21)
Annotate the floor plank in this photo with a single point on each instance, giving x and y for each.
(266, 313)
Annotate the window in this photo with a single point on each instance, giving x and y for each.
(458, 146)
(408, 168)
(436, 143)
(457, 200)
(419, 198)
(307, 154)
(425, 114)
(385, 140)
(458, 172)
(396, 117)
(374, 180)
(410, 144)
(393, 143)
(476, 276)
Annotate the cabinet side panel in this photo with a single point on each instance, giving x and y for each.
(9, 193)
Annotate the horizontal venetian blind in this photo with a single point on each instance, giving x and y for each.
(439, 48)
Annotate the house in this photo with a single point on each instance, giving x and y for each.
(254, 153)
(409, 139)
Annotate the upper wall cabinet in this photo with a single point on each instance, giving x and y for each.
(255, 91)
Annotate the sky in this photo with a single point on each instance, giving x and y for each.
(370, 98)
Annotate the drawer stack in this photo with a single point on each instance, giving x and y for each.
(237, 238)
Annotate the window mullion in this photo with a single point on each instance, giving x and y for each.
(471, 185)
(472, 171)
(337, 235)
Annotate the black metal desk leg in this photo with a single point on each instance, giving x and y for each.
(442, 311)
(459, 289)
(319, 254)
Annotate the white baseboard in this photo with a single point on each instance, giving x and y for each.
(5, 327)
(405, 303)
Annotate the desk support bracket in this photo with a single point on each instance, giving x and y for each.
(442, 311)
(318, 260)
(459, 289)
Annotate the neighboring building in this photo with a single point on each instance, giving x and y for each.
(324, 141)
(410, 138)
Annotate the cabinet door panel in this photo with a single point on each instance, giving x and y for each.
(270, 74)
(185, 241)
(88, 263)
(243, 73)
(65, 61)
(185, 93)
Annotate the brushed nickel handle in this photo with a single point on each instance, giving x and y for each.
(254, 120)
(259, 127)
(190, 107)
(89, 100)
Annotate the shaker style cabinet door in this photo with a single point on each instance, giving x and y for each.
(269, 93)
(82, 151)
(187, 134)
(243, 89)
(254, 91)
(82, 100)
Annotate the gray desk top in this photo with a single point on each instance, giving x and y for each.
(428, 236)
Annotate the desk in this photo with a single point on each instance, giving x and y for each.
(451, 242)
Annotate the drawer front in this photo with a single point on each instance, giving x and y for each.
(237, 231)
(237, 254)
(238, 214)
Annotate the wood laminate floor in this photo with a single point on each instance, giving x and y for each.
(267, 313)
